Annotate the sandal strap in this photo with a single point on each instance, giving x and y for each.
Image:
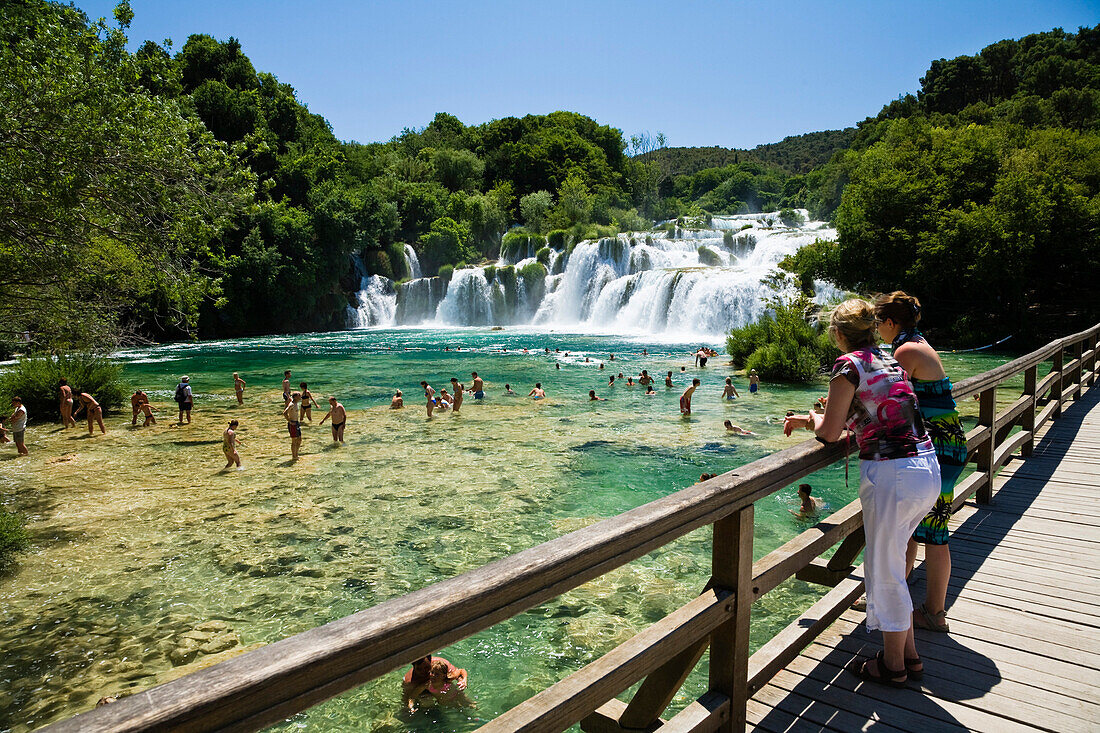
(885, 672)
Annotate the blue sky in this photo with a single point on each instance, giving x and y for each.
(734, 74)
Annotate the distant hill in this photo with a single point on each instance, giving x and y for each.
(794, 154)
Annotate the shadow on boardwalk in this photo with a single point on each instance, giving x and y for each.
(1023, 650)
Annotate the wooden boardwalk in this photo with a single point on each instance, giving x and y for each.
(1023, 605)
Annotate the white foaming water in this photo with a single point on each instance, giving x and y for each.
(377, 303)
(412, 263)
(642, 284)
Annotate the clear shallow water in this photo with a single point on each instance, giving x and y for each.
(149, 562)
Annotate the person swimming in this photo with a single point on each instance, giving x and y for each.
(478, 386)
(593, 398)
(754, 382)
(649, 389)
(810, 507)
(398, 401)
(538, 392)
(685, 398)
(668, 380)
(737, 429)
(729, 391)
(508, 389)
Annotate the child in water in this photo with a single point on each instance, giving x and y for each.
(810, 506)
(754, 382)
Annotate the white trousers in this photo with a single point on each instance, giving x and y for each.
(895, 496)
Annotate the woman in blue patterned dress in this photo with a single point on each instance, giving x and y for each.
(898, 315)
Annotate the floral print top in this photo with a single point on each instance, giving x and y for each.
(884, 415)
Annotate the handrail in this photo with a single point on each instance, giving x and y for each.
(274, 682)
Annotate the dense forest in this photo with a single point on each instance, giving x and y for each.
(172, 193)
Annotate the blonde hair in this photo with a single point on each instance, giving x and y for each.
(900, 307)
(854, 320)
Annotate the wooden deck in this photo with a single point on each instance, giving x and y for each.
(1023, 605)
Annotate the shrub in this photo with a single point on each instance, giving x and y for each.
(13, 536)
(727, 239)
(490, 273)
(649, 240)
(445, 272)
(708, 256)
(378, 263)
(543, 256)
(532, 271)
(746, 226)
(783, 345)
(515, 244)
(790, 217)
(35, 380)
(557, 238)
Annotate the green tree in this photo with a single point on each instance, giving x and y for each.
(106, 174)
(447, 243)
(534, 207)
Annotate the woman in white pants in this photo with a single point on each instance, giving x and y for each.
(899, 478)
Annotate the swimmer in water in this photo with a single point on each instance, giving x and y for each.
(810, 506)
(754, 382)
(668, 380)
(478, 386)
(238, 387)
(685, 398)
(736, 429)
(538, 392)
(286, 388)
(398, 402)
(649, 390)
(459, 390)
(729, 391)
(339, 417)
(307, 402)
(630, 381)
(292, 413)
(508, 389)
(645, 380)
(429, 397)
(611, 382)
(593, 398)
(230, 441)
(601, 365)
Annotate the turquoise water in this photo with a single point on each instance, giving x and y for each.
(150, 562)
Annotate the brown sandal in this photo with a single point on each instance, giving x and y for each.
(914, 674)
(925, 619)
(886, 676)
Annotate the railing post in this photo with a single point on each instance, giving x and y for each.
(1091, 341)
(731, 567)
(1027, 420)
(1056, 387)
(987, 416)
(1079, 356)
(1092, 359)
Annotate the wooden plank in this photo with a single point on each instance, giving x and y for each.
(573, 698)
(781, 563)
(709, 713)
(1010, 446)
(815, 713)
(785, 646)
(731, 567)
(970, 645)
(660, 686)
(989, 692)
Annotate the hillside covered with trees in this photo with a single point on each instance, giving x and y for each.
(173, 193)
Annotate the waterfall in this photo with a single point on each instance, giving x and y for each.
(701, 282)
(412, 263)
(377, 303)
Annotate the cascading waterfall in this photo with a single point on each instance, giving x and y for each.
(702, 281)
(412, 263)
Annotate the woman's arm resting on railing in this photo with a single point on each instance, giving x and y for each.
(830, 426)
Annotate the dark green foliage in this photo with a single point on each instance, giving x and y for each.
(727, 239)
(445, 272)
(708, 256)
(36, 380)
(557, 239)
(13, 536)
(543, 256)
(490, 272)
(794, 154)
(784, 345)
(447, 241)
(790, 217)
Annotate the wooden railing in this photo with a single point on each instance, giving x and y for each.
(283, 678)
